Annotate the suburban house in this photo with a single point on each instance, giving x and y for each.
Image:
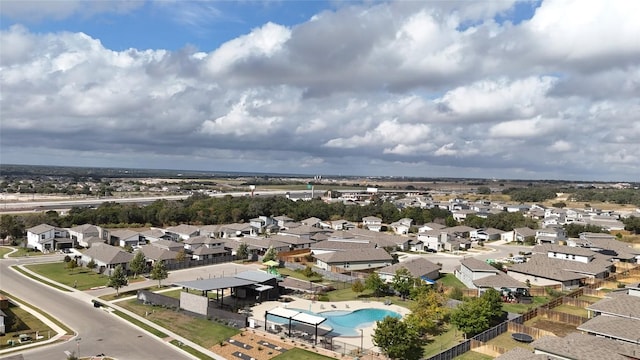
(579, 346)
(401, 226)
(337, 225)
(212, 231)
(206, 252)
(372, 223)
(47, 238)
(79, 234)
(477, 274)
(487, 234)
(236, 229)
(616, 317)
(333, 245)
(312, 221)
(607, 245)
(153, 254)
(551, 235)
(431, 240)
(154, 235)
(561, 265)
(519, 234)
(123, 238)
(168, 245)
(431, 226)
(282, 220)
(418, 267)
(263, 224)
(182, 232)
(343, 261)
(107, 257)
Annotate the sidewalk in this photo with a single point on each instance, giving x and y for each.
(88, 298)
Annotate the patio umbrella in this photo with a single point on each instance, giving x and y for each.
(271, 263)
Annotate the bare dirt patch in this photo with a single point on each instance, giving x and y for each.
(557, 328)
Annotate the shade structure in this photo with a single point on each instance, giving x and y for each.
(271, 263)
(294, 315)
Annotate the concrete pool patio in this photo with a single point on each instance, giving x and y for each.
(320, 306)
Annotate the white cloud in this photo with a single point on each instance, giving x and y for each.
(375, 88)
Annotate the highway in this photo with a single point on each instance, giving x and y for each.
(29, 206)
(99, 331)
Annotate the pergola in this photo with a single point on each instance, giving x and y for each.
(294, 315)
(217, 284)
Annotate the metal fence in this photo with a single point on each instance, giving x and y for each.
(194, 263)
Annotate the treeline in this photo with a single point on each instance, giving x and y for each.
(201, 209)
(617, 196)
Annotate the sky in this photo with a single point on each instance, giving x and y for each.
(473, 89)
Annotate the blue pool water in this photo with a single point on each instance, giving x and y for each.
(347, 323)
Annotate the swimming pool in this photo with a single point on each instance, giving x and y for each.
(346, 323)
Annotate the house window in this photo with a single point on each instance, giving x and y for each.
(42, 236)
(573, 257)
(555, 254)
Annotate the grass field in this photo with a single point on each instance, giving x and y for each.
(445, 340)
(22, 251)
(300, 354)
(201, 331)
(24, 323)
(472, 355)
(80, 277)
(298, 275)
(451, 280)
(505, 340)
(4, 250)
(573, 310)
(523, 308)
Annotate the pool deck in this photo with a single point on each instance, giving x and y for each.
(319, 306)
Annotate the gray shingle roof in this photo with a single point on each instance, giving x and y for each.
(474, 264)
(497, 281)
(621, 305)
(584, 347)
(108, 254)
(541, 265)
(375, 254)
(39, 229)
(416, 266)
(521, 354)
(613, 326)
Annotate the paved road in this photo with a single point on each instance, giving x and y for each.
(99, 331)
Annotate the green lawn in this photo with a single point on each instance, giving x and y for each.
(4, 250)
(24, 323)
(451, 280)
(447, 339)
(592, 299)
(201, 331)
(81, 277)
(298, 275)
(573, 310)
(523, 308)
(505, 340)
(300, 354)
(22, 251)
(472, 355)
(190, 350)
(84, 278)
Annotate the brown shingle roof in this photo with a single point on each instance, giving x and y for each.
(416, 266)
(613, 326)
(362, 255)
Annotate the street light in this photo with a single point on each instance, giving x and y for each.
(78, 347)
(361, 341)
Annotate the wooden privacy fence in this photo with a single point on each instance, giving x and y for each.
(594, 292)
(533, 332)
(487, 349)
(576, 302)
(558, 316)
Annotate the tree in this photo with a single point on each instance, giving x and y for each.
(559, 205)
(243, 251)
(402, 282)
(632, 223)
(483, 190)
(118, 279)
(478, 314)
(357, 286)
(92, 264)
(72, 264)
(374, 282)
(181, 256)
(396, 339)
(159, 272)
(270, 254)
(428, 312)
(138, 264)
